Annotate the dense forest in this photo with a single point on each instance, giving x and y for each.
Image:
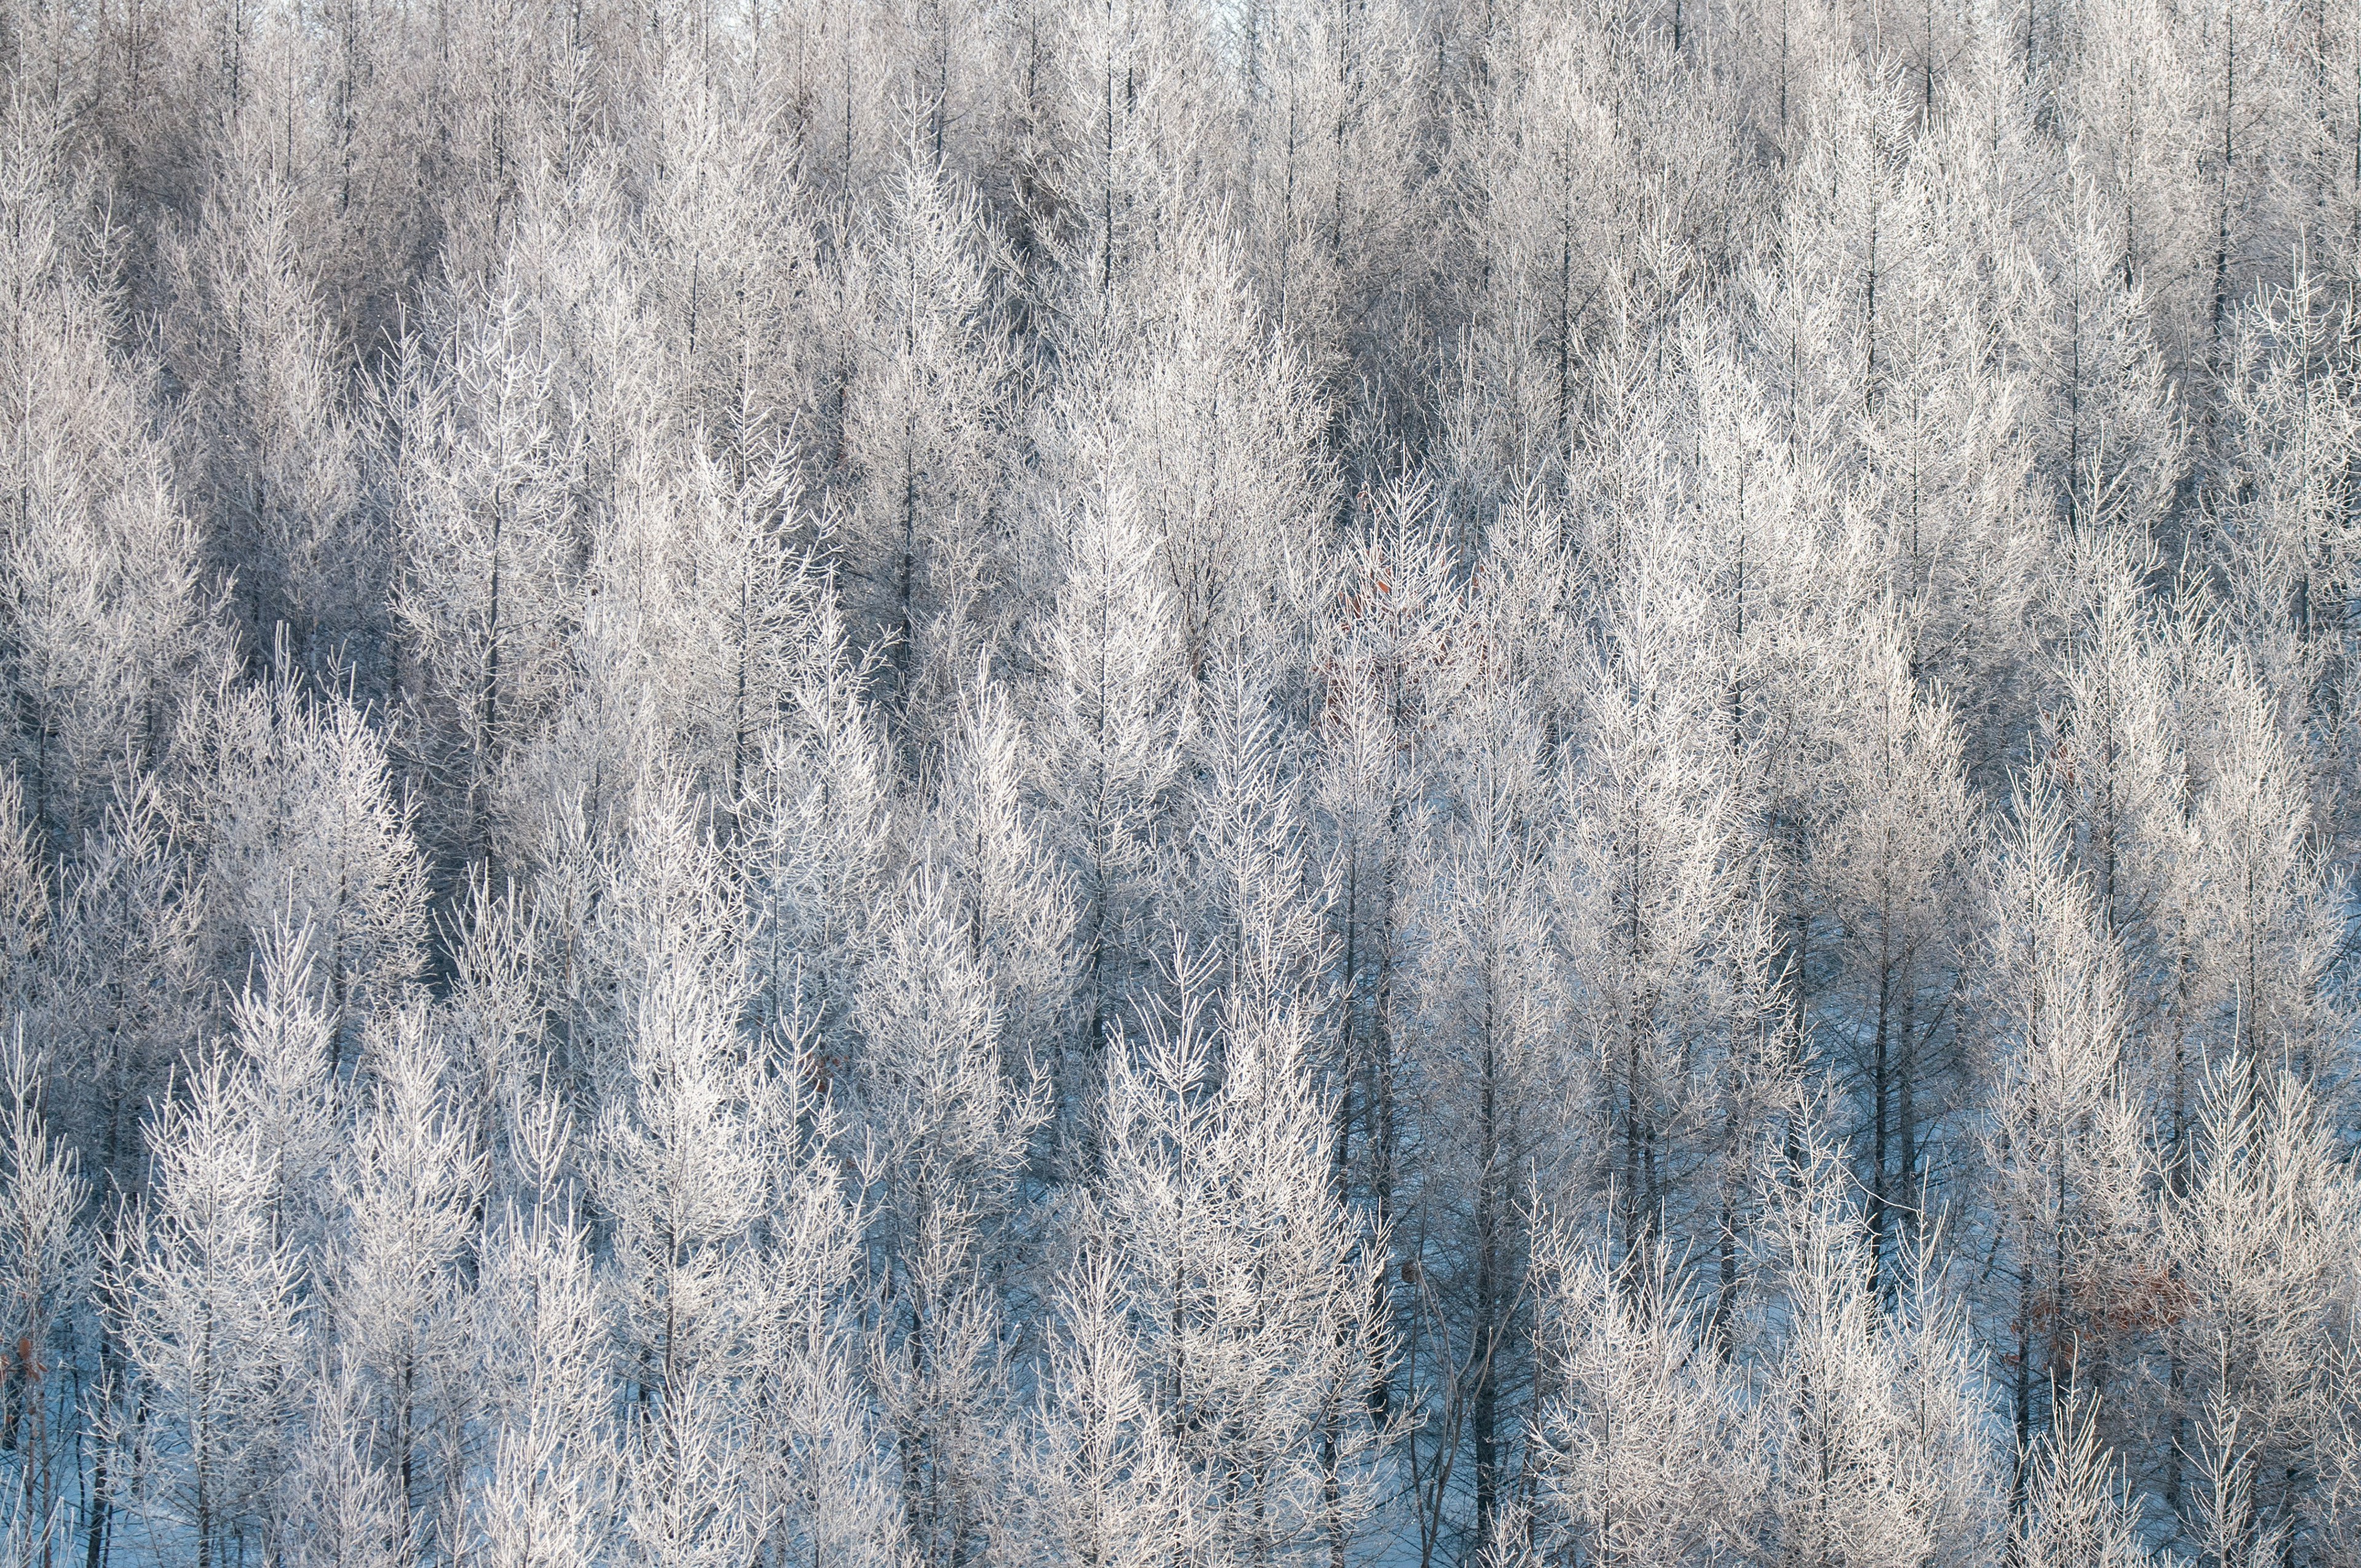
(957, 784)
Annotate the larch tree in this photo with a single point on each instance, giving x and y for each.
(274, 756)
(276, 454)
(487, 462)
(2075, 1514)
(2256, 1235)
(541, 1322)
(409, 1189)
(1386, 679)
(206, 1282)
(1651, 1452)
(1250, 1284)
(1484, 1012)
(939, 1133)
(924, 435)
(1114, 704)
(101, 589)
(45, 1249)
(1886, 1450)
(989, 839)
(2064, 1142)
(1896, 862)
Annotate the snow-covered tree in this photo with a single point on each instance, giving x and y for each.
(923, 433)
(205, 1282)
(1253, 1291)
(1651, 1452)
(45, 1251)
(100, 569)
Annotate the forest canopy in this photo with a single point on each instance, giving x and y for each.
(959, 784)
